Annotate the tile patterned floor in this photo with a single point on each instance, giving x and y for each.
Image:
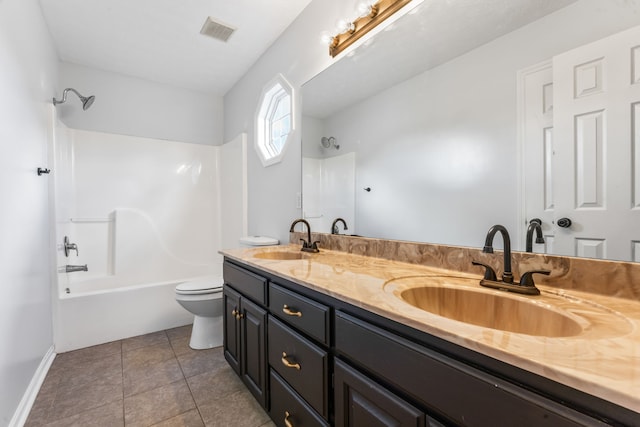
(150, 380)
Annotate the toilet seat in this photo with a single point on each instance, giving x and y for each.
(199, 287)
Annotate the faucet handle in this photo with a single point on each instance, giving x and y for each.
(305, 244)
(489, 272)
(527, 278)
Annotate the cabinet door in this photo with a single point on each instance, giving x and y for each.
(231, 328)
(360, 402)
(253, 357)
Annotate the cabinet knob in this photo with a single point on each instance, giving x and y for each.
(234, 312)
(286, 419)
(288, 364)
(286, 310)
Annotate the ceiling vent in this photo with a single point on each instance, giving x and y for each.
(216, 30)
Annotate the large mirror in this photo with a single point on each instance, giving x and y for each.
(450, 120)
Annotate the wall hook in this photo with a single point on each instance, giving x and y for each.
(41, 171)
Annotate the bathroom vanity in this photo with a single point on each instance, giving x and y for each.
(339, 339)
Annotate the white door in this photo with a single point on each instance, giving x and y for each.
(536, 121)
(597, 148)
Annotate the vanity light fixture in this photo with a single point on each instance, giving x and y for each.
(370, 14)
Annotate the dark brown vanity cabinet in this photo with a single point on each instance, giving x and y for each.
(359, 401)
(245, 331)
(298, 358)
(313, 360)
(446, 388)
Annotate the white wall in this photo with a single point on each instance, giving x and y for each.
(298, 54)
(131, 106)
(28, 76)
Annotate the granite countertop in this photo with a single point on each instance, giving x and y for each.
(597, 352)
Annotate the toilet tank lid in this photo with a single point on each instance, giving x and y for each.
(200, 285)
(259, 241)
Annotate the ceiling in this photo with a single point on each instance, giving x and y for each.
(160, 40)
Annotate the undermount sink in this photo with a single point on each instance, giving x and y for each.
(280, 255)
(492, 310)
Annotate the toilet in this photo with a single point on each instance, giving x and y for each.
(203, 298)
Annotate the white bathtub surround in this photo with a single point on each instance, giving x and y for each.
(144, 214)
(328, 185)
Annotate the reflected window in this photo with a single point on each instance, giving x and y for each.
(274, 120)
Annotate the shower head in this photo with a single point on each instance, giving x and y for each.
(86, 101)
(329, 142)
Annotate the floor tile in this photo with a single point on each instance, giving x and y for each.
(157, 405)
(188, 419)
(110, 415)
(214, 385)
(147, 355)
(181, 345)
(148, 377)
(149, 380)
(239, 409)
(179, 332)
(74, 400)
(91, 370)
(144, 341)
(196, 362)
(64, 360)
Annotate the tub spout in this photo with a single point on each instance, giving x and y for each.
(74, 268)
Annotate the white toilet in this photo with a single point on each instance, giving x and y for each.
(203, 298)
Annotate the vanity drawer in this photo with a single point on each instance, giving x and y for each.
(302, 364)
(286, 404)
(460, 393)
(246, 282)
(302, 313)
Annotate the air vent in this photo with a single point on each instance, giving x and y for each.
(216, 30)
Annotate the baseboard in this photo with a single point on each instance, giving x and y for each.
(29, 397)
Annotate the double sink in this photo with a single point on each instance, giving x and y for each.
(552, 314)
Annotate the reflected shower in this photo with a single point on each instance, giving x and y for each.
(329, 142)
(86, 101)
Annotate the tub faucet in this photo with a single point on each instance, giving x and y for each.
(307, 245)
(334, 226)
(534, 224)
(74, 268)
(526, 285)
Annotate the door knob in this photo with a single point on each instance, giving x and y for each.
(564, 222)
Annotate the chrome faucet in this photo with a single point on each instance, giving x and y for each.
(74, 268)
(334, 226)
(526, 285)
(534, 224)
(307, 245)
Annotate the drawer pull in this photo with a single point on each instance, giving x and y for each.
(286, 310)
(288, 364)
(286, 419)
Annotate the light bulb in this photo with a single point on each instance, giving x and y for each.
(343, 26)
(327, 38)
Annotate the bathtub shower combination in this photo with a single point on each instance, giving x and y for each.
(143, 216)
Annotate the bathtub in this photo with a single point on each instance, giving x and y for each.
(95, 315)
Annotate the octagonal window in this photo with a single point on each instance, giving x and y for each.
(274, 120)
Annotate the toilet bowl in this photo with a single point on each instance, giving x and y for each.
(203, 298)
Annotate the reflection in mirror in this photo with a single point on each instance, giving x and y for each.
(449, 122)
